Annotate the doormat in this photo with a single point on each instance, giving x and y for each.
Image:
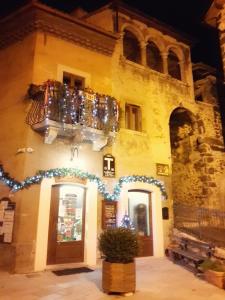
(72, 271)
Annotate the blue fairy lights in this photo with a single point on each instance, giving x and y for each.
(15, 185)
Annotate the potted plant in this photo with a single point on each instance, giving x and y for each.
(119, 247)
(214, 272)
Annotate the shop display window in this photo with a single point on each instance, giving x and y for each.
(70, 214)
(139, 212)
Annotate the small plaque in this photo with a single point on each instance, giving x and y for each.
(162, 169)
(109, 214)
(108, 166)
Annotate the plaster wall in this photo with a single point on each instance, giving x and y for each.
(135, 152)
(42, 64)
(16, 73)
(103, 19)
(126, 84)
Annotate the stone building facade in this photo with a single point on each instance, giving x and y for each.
(215, 17)
(166, 121)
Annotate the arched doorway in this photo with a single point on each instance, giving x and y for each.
(140, 213)
(182, 128)
(186, 184)
(190, 162)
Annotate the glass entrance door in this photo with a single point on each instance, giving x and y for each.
(139, 205)
(66, 224)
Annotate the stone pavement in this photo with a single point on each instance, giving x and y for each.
(157, 279)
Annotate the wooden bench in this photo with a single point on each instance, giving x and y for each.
(190, 253)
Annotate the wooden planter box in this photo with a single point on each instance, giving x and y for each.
(118, 277)
(216, 278)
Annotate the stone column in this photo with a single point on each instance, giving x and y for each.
(143, 53)
(221, 27)
(182, 70)
(121, 43)
(164, 56)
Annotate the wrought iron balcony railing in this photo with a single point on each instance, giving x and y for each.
(81, 114)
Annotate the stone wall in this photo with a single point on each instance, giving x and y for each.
(221, 27)
(198, 154)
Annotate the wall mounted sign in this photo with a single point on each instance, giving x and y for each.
(108, 166)
(162, 169)
(109, 210)
(7, 210)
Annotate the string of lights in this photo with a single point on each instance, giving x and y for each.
(16, 186)
(67, 105)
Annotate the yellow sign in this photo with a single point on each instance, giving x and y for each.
(162, 169)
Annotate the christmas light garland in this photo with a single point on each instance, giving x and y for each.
(15, 185)
(56, 101)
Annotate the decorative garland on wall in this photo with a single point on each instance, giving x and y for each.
(15, 185)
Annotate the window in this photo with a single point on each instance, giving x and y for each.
(73, 81)
(173, 65)
(133, 117)
(153, 57)
(131, 47)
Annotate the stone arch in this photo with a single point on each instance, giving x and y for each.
(175, 61)
(158, 41)
(135, 30)
(188, 164)
(176, 50)
(132, 43)
(182, 126)
(153, 56)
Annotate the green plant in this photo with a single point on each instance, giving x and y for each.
(118, 245)
(214, 265)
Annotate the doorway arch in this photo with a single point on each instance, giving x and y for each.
(186, 157)
(182, 125)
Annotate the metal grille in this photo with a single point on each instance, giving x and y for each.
(55, 101)
(204, 223)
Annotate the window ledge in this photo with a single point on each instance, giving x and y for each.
(206, 103)
(133, 132)
(177, 81)
(124, 61)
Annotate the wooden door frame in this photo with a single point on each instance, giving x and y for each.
(54, 208)
(149, 211)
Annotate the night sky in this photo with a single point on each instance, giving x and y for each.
(184, 15)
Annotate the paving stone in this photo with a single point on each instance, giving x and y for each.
(157, 279)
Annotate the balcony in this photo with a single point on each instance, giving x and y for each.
(79, 115)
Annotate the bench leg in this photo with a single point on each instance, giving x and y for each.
(197, 271)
